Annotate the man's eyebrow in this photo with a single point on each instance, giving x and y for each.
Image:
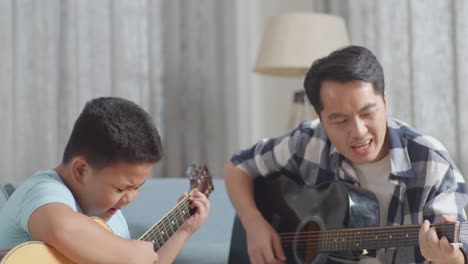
(341, 115)
(335, 115)
(367, 106)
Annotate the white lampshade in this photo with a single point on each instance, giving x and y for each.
(291, 42)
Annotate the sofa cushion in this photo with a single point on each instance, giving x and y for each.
(3, 196)
(6, 190)
(9, 188)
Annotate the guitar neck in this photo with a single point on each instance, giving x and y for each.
(163, 230)
(380, 237)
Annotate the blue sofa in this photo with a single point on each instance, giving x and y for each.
(209, 245)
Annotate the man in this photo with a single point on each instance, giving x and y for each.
(110, 153)
(411, 175)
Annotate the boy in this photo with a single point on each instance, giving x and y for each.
(111, 150)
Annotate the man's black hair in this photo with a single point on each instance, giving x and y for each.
(347, 64)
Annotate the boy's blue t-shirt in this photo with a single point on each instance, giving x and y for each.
(42, 188)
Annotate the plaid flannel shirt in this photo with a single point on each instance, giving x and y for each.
(427, 182)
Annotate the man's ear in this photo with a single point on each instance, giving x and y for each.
(80, 168)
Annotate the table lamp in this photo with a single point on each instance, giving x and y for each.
(291, 43)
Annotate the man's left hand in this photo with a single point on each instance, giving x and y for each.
(437, 250)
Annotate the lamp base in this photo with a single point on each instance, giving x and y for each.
(301, 110)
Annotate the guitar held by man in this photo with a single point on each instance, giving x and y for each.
(333, 219)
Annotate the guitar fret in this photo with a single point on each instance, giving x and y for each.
(342, 239)
(160, 231)
(333, 240)
(155, 238)
(359, 239)
(326, 243)
(346, 239)
(336, 240)
(181, 217)
(170, 222)
(156, 243)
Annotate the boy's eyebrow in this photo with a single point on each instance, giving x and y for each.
(141, 184)
(133, 186)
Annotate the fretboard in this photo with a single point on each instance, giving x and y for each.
(168, 225)
(380, 237)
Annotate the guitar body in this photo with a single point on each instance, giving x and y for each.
(292, 207)
(39, 252)
(34, 252)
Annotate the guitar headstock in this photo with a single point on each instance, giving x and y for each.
(200, 178)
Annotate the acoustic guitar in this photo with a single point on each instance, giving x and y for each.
(333, 220)
(158, 234)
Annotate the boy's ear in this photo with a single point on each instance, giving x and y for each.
(80, 168)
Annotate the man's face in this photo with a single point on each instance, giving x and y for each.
(355, 119)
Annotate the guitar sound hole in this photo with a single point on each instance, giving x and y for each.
(307, 242)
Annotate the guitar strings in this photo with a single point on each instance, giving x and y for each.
(350, 241)
(161, 232)
(165, 223)
(339, 247)
(371, 230)
(355, 236)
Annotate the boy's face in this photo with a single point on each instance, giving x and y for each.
(111, 188)
(355, 119)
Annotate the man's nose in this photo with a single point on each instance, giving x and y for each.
(358, 128)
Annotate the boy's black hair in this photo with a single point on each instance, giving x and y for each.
(111, 130)
(347, 64)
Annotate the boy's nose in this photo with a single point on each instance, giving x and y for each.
(128, 197)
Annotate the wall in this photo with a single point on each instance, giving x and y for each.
(263, 102)
(56, 55)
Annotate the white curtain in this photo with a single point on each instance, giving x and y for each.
(55, 55)
(423, 47)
